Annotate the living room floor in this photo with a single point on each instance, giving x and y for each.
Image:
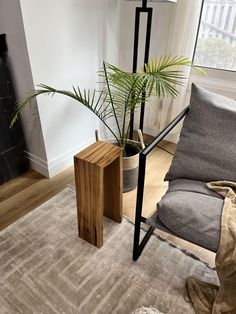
(24, 193)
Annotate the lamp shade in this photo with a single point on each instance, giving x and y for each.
(170, 1)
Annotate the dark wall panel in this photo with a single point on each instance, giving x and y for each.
(12, 145)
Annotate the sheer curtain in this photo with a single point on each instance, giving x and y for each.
(180, 41)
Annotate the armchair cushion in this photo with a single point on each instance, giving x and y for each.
(193, 212)
(207, 146)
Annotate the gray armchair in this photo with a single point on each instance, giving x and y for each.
(206, 152)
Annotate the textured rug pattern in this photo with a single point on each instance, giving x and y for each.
(46, 268)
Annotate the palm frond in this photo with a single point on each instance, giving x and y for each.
(122, 92)
(94, 105)
(164, 75)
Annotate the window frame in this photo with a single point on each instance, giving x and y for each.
(195, 47)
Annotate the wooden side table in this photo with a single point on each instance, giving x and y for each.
(98, 180)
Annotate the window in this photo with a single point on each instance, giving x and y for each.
(214, 15)
(216, 42)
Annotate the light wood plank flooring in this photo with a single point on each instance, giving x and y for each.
(23, 194)
(26, 192)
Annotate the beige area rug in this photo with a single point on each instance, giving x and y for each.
(46, 268)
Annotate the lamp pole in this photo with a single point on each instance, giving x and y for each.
(138, 11)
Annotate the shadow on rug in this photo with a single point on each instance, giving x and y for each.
(46, 268)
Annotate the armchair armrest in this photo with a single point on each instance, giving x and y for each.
(141, 179)
(164, 132)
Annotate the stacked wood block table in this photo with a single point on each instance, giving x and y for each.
(98, 179)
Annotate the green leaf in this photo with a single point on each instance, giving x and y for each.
(122, 91)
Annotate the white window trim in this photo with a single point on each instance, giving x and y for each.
(219, 81)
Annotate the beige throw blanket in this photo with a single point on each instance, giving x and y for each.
(208, 298)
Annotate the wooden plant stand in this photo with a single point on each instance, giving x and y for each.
(98, 180)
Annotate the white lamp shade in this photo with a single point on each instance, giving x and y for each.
(170, 1)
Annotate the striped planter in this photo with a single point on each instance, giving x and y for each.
(130, 168)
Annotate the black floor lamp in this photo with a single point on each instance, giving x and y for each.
(138, 11)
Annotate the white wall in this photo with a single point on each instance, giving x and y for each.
(160, 29)
(67, 42)
(11, 23)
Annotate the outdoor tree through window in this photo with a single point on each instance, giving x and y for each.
(216, 43)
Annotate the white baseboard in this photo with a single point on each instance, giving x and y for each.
(53, 167)
(37, 164)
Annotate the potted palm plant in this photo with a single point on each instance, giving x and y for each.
(120, 93)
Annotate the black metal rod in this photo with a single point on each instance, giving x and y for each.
(131, 128)
(142, 110)
(136, 39)
(148, 34)
(144, 4)
(139, 204)
(135, 60)
(146, 57)
(144, 242)
(138, 11)
(164, 132)
(138, 247)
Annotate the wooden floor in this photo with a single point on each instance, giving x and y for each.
(24, 193)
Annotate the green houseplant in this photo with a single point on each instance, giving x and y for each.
(121, 92)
